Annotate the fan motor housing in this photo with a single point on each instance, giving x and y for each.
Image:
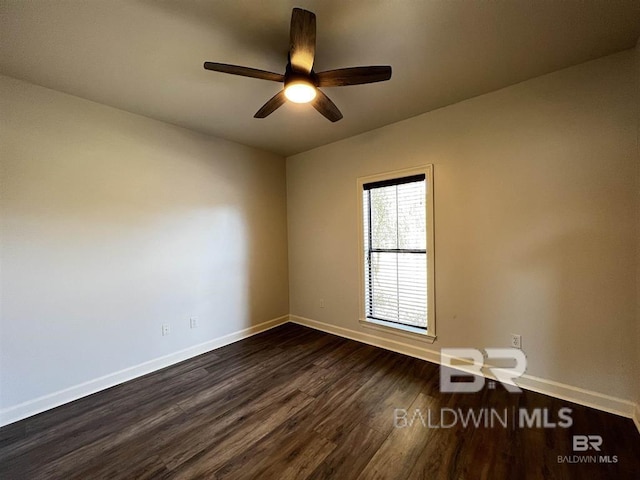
(291, 76)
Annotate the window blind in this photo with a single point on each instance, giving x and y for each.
(395, 250)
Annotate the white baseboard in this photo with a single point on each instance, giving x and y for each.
(47, 402)
(588, 398)
(563, 391)
(388, 344)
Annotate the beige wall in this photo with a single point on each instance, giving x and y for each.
(113, 224)
(536, 210)
(637, 374)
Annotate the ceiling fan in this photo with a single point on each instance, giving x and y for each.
(300, 81)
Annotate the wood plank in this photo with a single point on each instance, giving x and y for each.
(192, 463)
(351, 455)
(403, 448)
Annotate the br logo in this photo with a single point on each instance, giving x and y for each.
(582, 443)
(473, 363)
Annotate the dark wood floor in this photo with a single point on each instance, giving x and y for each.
(294, 403)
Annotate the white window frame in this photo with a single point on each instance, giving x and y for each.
(428, 334)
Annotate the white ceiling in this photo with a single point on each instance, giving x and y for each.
(146, 56)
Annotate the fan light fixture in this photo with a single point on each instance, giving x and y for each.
(301, 83)
(300, 92)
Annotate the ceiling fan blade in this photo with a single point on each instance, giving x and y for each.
(326, 107)
(302, 48)
(243, 71)
(354, 76)
(272, 105)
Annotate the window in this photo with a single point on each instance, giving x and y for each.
(397, 251)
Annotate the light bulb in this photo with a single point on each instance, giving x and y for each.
(300, 92)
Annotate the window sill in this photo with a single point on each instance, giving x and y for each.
(398, 329)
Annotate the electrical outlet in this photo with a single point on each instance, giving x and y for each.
(193, 322)
(516, 340)
(166, 330)
(322, 303)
